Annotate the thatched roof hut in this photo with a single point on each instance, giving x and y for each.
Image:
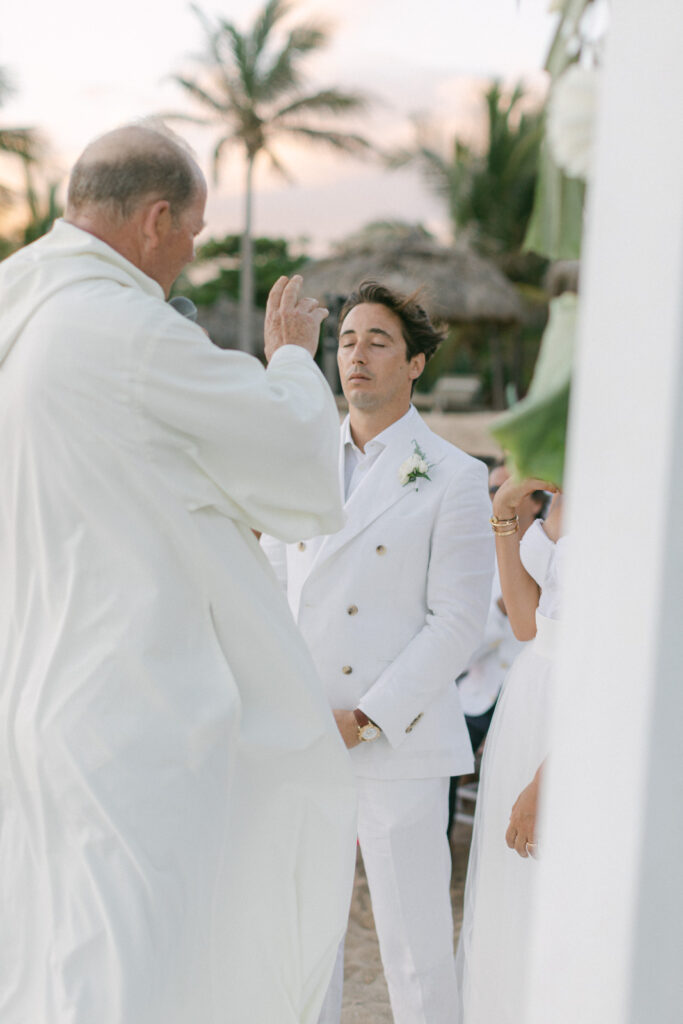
(456, 285)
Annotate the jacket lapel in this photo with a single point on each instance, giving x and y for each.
(381, 488)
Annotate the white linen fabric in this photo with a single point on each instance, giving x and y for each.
(480, 687)
(499, 892)
(177, 810)
(392, 607)
(407, 859)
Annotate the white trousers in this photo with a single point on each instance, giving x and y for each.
(402, 836)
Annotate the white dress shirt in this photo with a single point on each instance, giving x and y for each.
(357, 462)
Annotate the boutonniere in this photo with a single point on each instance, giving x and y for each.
(414, 467)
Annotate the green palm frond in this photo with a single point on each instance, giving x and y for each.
(331, 100)
(307, 38)
(266, 20)
(283, 75)
(214, 39)
(21, 142)
(250, 82)
(240, 56)
(277, 165)
(346, 142)
(199, 93)
(177, 115)
(437, 170)
(489, 194)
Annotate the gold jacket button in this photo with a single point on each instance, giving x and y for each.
(352, 610)
(347, 670)
(380, 549)
(414, 723)
(301, 546)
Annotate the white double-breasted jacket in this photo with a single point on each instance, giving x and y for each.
(393, 605)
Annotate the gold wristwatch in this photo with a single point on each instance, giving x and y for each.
(367, 730)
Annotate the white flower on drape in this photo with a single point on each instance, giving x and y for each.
(571, 120)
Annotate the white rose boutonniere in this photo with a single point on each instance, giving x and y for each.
(414, 467)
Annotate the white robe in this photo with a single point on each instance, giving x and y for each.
(176, 806)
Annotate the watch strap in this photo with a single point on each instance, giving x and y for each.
(363, 719)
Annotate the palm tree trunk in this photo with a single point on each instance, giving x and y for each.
(247, 343)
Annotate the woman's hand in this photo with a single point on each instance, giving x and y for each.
(511, 493)
(521, 832)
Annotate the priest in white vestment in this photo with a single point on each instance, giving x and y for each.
(177, 810)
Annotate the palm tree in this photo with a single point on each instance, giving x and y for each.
(489, 194)
(43, 205)
(253, 90)
(21, 142)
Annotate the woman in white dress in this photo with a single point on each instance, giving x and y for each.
(498, 895)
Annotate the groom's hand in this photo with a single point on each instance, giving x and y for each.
(292, 319)
(348, 727)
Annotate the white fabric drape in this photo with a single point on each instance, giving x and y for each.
(176, 806)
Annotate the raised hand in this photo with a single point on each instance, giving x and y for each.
(512, 492)
(292, 319)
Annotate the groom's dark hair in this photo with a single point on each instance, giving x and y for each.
(420, 334)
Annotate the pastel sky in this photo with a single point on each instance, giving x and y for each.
(81, 68)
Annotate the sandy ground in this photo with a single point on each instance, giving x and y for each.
(366, 1000)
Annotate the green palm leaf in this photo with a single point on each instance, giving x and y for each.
(533, 432)
(346, 142)
(331, 100)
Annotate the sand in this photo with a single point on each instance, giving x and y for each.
(366, 1000)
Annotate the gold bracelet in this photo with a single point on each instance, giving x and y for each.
(495, 521)
(506, 533)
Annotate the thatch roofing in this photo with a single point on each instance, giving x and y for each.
(222, 322)
(456, 285)
(562, 276)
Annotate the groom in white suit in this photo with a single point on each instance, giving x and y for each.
(392, 607)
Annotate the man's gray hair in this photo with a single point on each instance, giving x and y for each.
(148, 163)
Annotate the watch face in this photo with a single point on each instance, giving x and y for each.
(368, 732)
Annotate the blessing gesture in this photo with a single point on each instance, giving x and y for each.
(292, 319)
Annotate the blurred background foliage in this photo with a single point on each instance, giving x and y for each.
(219, 260)
(487, 192)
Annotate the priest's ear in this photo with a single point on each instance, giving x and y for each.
(156, 223)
